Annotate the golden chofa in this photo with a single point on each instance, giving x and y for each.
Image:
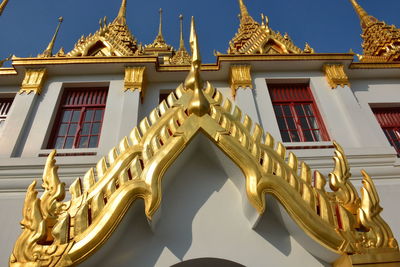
(65, 233)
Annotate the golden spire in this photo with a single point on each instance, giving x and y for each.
(159, 42)
(121, 18)
(243, 9)
(160, 35)
(366, 20)
(181, 56)
(49, 50)
(181, 42)
(2, 6)
(198, 104)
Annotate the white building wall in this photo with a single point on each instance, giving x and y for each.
(346, 113)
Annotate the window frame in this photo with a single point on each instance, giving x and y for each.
(308, 99)
(83, 108)
(5, 109)
(389, 123)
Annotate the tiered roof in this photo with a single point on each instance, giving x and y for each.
(381, 42)
(255, 38)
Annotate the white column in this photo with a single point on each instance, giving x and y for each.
(365, 135)
(16, 124)
(130, 112)
(265, 109)
(246, 102)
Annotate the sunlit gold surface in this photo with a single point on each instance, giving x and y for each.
(253, 38)
(381, 42)
(240, 76)
(64, 233)
(135, 79)
(33, 81)
(335, 75)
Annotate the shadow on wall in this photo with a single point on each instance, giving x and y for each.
(208, 262)
(201, 218)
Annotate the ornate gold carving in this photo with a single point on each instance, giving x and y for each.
(240, 76)
(379, 234)
(335, 75)
(33, 81)
(381, 42)
(49, 50)
(135, 79)
(339, 182)
(135, 170)
(253, 38)
(112, 39)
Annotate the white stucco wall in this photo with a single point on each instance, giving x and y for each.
(217, 210)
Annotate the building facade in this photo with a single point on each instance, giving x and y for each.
(176, 171)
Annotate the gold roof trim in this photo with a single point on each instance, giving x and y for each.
(59, 233)
(253, 38)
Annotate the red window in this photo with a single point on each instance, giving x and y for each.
(5, 105)
(297, 115)
(389, 119)
(80, 118)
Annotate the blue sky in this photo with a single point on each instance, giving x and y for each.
(328, 25)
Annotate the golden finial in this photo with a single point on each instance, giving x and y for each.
(121, 18)
(49, 50)
(198, 104)
(182, 42)
(243, 9)
(366, 19)
(2, 6)
(160, 26)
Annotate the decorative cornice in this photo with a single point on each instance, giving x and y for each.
(335, 75)
(240, 76)
(33, 81)
(380, 65)
(135, 79)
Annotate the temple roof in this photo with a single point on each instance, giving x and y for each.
(113, 39)
(381, 42)
(255, 38)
